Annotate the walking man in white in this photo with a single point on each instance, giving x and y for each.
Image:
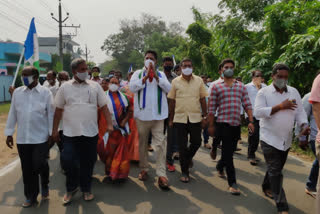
(150, 87)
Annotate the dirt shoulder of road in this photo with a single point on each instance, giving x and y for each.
(7, 155)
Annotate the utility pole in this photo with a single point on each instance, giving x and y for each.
(60, 21)
(87, 53)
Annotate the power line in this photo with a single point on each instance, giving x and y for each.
(22, 11)
(12, 20)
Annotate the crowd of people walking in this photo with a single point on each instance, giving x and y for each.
(114, 119)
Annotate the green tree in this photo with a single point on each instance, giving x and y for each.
(136, 36)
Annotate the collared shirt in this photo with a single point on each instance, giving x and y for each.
(253, 91)
(97, 80)
(315, 97)
(171, 77)
(80, 102)
(312, 122)
(228, 101)
(210, 88)
(32, 111)
(276, 130)
(215, 82)
(150, 112)
(187, 95)
(54, 89)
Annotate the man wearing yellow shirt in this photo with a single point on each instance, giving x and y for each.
(187, 99)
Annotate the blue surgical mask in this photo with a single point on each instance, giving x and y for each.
(27, 80)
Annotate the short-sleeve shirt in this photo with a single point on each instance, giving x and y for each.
(187, 95)
(80, 102)
(315, 97)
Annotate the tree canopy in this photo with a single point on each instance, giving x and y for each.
(255, 33)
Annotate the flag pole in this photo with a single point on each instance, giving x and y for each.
(18, 67)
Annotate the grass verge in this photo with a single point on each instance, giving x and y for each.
(4, 108)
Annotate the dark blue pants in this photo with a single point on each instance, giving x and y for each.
(78, 158)
(313, 176)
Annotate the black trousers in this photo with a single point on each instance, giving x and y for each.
(217, 138)
(187, 152)
(253, 140)
(34, 162)
(273, 179)
(229, 136)
(78, 157)
(171, 142)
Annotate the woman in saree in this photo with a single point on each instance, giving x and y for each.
(133, 136)
(113, 148)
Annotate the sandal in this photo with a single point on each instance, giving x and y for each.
(67, 198)
(268, 193)
(28, 203)
(221, 174)
(88, 196)
(234, 190)
(143, 175)
(163, 183)
(253, 162)
(185, 179)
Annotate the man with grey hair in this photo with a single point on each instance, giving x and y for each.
(78, 99)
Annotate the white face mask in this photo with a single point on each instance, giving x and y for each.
(83, 76)
(147, 63)
(187, 71)
(113, 87)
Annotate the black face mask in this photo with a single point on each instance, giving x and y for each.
(168, 68)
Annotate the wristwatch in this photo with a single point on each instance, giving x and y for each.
(204, 117)
(251, 122)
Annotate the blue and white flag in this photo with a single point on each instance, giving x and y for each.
(174, 60)
(130, 69)
(31, 45)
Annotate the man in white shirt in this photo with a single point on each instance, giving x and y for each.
(253, 138)
(63, 77)
(150, 88)
(78, 99)
(278, 106)
(51, 82)
(32, 110)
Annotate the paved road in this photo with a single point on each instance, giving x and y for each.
(205, 194)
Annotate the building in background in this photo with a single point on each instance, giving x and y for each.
(50, 45)
(9, 58)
